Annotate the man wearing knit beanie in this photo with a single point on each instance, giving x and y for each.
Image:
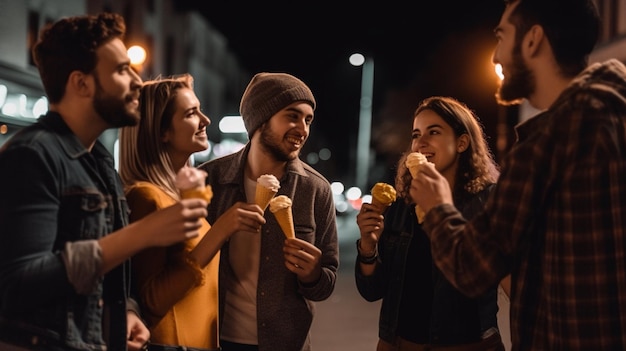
(268, 284)
(268, 93)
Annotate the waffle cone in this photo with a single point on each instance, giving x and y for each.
(414, 171)
(382, 206)
(284, 217)
(204, 193)
(263, 196)
(420, 214)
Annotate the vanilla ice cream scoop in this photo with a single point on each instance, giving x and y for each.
(269, 181)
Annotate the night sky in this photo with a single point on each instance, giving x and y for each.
(419, 49)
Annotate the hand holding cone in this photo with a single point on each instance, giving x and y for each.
(383, 195)
(280, 206)
(266, 187)
(413, 162)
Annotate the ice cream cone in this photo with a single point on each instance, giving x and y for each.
(263, 196)
(190, 182)
(205, 193)
(280, 206)
(266, 187)
(383, 195)
(413, 162)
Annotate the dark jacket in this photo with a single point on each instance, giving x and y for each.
(284, 306)
(55, 191)
(418, 302)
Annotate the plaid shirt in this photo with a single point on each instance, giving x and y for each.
(556, 221)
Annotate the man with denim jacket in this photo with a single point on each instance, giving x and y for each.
(65, 235)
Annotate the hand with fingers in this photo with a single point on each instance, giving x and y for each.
(303, 259)
(176, 223)
(241, 217)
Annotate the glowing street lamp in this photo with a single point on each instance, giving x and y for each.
(365, 117)
(137, 56)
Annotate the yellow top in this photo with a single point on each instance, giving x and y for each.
(179, 300)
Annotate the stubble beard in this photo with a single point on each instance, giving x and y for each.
(112, 109)
(518, 84)
(268, 141)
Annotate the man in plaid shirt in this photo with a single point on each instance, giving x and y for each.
(556, 221)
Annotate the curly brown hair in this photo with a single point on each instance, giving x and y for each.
(69, 45)
(477, 167)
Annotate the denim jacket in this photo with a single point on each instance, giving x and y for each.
(453, 318)
(55, 191)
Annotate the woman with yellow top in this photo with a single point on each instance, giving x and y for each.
(177, 286)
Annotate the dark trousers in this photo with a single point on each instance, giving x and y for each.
(233, 346)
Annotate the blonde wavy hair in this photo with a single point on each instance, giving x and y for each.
(477, 167)
(143, 155)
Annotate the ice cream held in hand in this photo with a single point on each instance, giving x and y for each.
(190, 181)
(267, 186)
(280, 206)
(413, 162)
(383, 195)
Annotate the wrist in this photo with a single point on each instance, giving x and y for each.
(368, 250)
(366, 257)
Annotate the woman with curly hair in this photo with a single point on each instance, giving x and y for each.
(420, 309)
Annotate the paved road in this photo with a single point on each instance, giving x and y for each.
(346, 321)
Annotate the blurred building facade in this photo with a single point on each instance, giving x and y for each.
(176, 42)
(184, 42)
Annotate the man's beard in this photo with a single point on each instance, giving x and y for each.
(268, 141)
(518, 84)
(112, 109)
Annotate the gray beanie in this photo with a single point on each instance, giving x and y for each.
(268, 93)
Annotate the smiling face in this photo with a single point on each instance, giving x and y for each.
(187, 131)
(434, 138)
(285, 133)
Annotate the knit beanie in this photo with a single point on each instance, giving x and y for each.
(268, 93)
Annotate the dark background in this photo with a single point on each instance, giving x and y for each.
(419, 49)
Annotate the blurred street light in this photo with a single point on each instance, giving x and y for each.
(137, 55)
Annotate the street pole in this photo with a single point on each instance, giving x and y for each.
(365, 124)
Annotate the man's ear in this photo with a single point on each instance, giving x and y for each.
(462, 143)
(80, 83)
(533, 40)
